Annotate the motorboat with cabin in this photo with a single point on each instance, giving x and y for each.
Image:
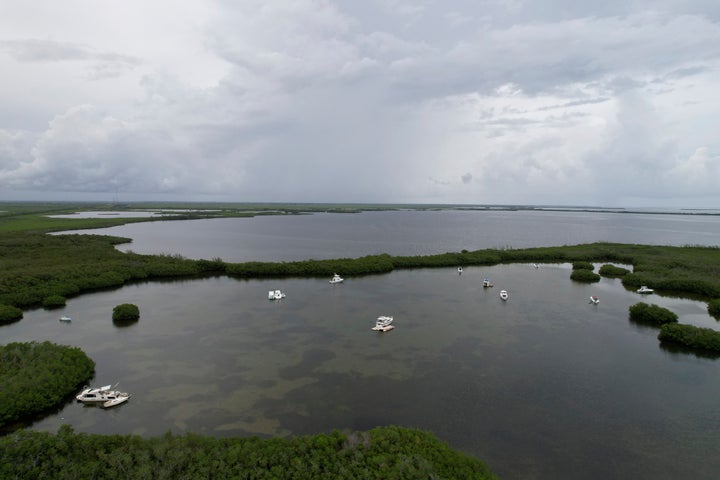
(594, 299)
(275, 295)
(65, 319)
(504, 294)
(383, 324)
(645, 289)
(103, 396)
(487, 283)
(336, 279)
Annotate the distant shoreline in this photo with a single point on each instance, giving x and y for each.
(213, 208)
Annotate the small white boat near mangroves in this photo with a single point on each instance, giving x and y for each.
(102, 396)
(336, 279)
(275, 295)
(645, 289)
(594, 299)
(504, 294)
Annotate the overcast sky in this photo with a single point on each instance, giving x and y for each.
(563, 102)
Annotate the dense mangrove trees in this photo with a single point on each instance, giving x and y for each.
(38, 376)
(382, 453)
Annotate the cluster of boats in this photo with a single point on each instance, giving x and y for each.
(279, 294)
(107, 397)
(503, 293)
(104, 396)
(593, 298)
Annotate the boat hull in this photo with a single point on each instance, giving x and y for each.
(382, 328)
(114, 402)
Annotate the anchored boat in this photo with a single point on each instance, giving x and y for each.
(275, 295)
(102, 396)
(383, 324)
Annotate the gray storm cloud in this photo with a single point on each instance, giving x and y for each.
(317, 100)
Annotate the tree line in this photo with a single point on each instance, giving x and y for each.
(383, 453)
(36, 268)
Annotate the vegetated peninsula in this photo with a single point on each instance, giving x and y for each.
(37, 268)
(381, 453)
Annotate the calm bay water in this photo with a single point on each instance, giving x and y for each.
(542, 386)
(335, 235)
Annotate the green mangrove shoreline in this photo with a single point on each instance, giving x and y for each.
(34, 266)
(381, 453)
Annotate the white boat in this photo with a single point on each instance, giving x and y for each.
(504, 294)
(65, 318)
(487, 283)
(536, 265)
(384, 320)
(336, 279)
(459, 269)
(594, 299)
(384, 328)
(103, 396)
(645, 289)
(275, 295)
(383, 324)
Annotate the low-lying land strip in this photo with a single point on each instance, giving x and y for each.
(34, 266)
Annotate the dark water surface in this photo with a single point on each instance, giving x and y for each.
(543, 386)
(337, 235)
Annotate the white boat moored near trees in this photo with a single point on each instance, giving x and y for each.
(102, 396)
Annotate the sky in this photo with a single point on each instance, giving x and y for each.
(528, 102)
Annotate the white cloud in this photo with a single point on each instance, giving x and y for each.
(319, 100)
(700, 171)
